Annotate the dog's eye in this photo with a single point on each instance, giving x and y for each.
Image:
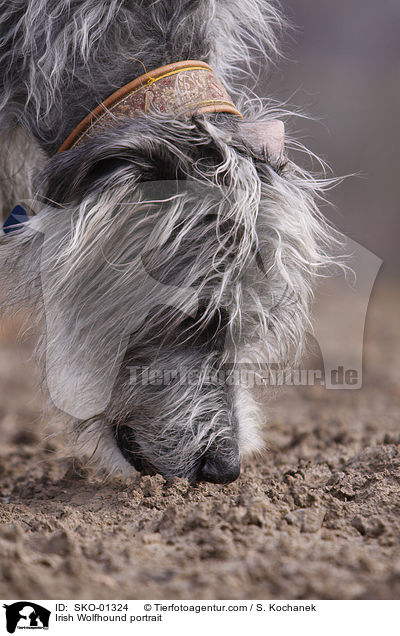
(102, 170)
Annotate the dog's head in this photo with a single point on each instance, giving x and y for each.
(167, 253)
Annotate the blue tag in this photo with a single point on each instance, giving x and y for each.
(15, 220)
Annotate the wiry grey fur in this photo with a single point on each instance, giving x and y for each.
(251, 244)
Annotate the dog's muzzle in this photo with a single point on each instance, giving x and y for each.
(216, 465)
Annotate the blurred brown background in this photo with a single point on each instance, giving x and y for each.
(342, 67)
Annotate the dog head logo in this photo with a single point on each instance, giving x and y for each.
(26, 615)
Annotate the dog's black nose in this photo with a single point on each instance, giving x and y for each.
(219, 470)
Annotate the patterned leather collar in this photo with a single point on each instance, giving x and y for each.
(182, 89)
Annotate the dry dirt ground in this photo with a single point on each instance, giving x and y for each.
(318, 516)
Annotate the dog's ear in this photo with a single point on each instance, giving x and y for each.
(264, 137)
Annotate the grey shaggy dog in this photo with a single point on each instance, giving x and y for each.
(225, 227)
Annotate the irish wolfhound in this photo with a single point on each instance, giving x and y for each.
(170, 243)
